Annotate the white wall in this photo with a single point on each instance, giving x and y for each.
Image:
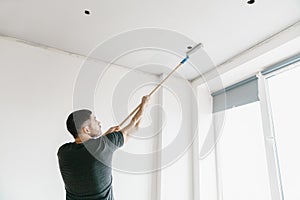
(36, 96)
(207, 159)
(177, 134)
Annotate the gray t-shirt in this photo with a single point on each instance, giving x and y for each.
(86, 168)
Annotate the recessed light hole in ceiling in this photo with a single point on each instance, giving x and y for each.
(251, 2)
(87, 12)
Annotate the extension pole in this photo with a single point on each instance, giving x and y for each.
(160, 84)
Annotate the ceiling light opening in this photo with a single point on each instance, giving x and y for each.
(87, 12)
(251, 2)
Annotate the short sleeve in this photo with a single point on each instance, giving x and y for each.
(116, 139)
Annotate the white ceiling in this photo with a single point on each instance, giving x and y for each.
(225, 28)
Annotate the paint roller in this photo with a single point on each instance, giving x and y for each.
(188, 53)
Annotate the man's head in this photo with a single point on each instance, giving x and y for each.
(83, 122)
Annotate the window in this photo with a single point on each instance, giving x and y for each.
(257, 152)
(242, 165)
(285, 99)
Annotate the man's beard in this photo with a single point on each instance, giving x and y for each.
(96, 135)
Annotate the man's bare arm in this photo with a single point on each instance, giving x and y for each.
(135, 121)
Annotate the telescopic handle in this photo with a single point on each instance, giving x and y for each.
(155, 89)
(188, 53)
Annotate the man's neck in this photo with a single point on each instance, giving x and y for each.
(82, 138)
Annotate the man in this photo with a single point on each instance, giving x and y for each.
(85, 163)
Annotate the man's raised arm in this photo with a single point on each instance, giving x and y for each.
(135, 121)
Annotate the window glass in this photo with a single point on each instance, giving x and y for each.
(242, 165)
(285, 99)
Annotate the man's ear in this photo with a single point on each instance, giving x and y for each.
(86, 130)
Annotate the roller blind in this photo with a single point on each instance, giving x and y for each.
(238, 94)
(246, 91)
